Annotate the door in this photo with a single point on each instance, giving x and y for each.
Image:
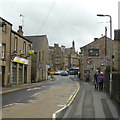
(25, 74)
(3, 75)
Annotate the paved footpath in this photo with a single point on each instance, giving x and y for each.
(91, 103)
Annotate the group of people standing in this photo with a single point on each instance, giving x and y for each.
(98, 79)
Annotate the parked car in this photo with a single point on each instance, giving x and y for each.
(57, 72)
(64, 73)
(51, 73)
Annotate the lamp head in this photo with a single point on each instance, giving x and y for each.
(101, 15)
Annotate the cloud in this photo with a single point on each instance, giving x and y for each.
(62, 21)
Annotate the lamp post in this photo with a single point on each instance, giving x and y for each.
(101, 15)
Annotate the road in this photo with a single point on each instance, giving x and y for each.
(91, 103)
(38, 102)
(44, 100)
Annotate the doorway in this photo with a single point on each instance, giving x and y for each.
(3, 76)
(25, 75)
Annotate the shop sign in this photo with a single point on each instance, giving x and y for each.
(89, 61)
(20, 60)
(31, 52)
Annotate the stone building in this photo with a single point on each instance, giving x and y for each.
(117, 39)
(40, 60)
(15, 63)
(62, 58)
(96, 55)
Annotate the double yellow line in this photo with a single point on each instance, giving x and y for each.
(70, 100)
(72, 97)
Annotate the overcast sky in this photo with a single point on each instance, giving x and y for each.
(62, 20)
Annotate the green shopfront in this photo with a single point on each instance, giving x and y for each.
(19, 70)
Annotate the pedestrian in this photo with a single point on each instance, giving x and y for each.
(96, 79)
(87, 77)
(101, 80)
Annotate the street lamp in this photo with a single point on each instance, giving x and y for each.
(101, 15)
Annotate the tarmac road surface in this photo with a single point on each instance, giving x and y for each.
(40, 101)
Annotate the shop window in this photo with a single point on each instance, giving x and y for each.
(20, 73)
(14, 72)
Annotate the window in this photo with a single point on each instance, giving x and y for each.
(29, 47)
(57, 60)
(14, 72)
(39, 56)
(15, 43)
(3, 50)
(93, 52)
(24, 47)
(4, 26)
(42, 55)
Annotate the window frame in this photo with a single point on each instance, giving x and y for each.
(15, 43)
(24, 47)
(39, 56)
(4, 27)
(3, 51)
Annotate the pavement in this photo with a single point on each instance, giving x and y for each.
(91, 103)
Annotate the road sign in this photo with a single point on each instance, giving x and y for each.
(104, 61)
(89, 61)
(89, 66)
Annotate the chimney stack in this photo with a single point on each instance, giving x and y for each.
(73, 44)
(20, 32)
(95, 39)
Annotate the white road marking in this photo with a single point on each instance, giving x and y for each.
(11, 104)
(61, 105)
(36, 94)
(36, 88)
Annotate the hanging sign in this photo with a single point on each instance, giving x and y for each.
(31, 52)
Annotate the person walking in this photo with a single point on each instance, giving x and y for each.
(101, 80)
(87, 77)
(96, 79)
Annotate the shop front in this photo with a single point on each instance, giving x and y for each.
(19, 70)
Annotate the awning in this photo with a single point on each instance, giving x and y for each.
(20, 60)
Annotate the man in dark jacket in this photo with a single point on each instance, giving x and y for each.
(87, 77)
(96, 79)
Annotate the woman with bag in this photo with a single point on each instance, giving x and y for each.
(101, 80)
